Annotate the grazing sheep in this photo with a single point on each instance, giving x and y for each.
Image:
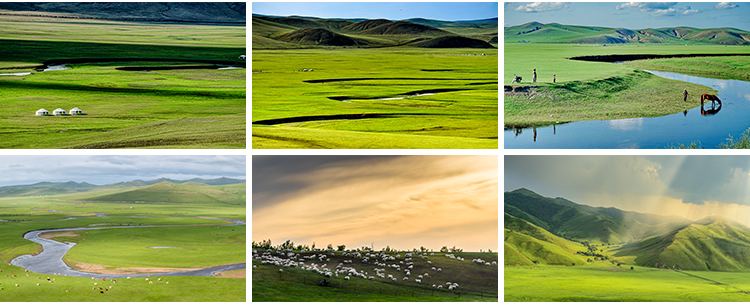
(418, 280)
(346, 277)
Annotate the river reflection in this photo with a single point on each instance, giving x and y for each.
(710, 124)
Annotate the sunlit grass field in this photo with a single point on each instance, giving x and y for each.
(363, 81)
(183, 108)
(604, 282)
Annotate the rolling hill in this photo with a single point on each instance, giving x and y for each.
(712, 243)
(575, 221)
(271, 32)
(56, 188)
(558, 33)
(167, 192)
(527, 244)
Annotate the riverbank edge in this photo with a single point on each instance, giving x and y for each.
(636, 95)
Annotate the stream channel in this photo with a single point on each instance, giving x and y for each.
(49, 261)
(711, 127)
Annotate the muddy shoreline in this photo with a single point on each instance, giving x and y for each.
(632, 57)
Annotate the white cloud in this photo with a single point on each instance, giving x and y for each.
(675, 12)
(646, 6)
(725, 6)
(542, 6)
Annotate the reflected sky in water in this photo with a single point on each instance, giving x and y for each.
(649, 133)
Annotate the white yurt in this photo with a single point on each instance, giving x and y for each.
(58, 112)
(42, 112)
(76, 111)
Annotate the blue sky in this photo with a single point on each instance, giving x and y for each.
(631, 15)
(447, 11)
(108, 169)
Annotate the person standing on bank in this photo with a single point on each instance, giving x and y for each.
(554, 78)
(684, 95)
(534, 81)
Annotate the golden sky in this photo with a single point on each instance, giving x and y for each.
(400, 201)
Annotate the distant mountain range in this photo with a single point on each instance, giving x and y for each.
(558, 33)
(557, 231)
(55, 188)
(203, 12)
(270, 32)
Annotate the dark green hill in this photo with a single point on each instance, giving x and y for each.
(204, 12)
(712, 244)
(557, 33)
(405, 28)
(580, 222)
(365, 25)
(452, 42)
(310, 36)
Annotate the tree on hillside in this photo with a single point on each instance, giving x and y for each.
(342, 247)
(329, 247)
(444, 249)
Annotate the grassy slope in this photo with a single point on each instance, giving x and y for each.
(717, 246)
(592, 90)
(533, 243)
(173, 193)
(298, 285)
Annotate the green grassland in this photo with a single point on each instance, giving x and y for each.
(196, 240)
(599, 90)
(603, 282)
(477, 282)
(466, 118)
(182, 108)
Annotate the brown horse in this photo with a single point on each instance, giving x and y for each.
(710, 97)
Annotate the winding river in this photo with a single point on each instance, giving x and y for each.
(711, 126)
(49, 261)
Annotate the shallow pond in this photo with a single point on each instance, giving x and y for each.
(709, 124)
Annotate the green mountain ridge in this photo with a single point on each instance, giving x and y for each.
(304, 32)
(558, 33)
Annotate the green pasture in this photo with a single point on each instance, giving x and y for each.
(598, 90)
(477, 282)
(182, 108)
(193, 242)
(464, 118)
(137, 289)
(605, 282)
(192, 247)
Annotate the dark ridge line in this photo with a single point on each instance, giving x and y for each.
(147, 68)
(370, 79)
(333, 117)
(631, 57)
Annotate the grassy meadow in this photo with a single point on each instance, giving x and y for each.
(189, 237)
(605, 282)
(181, 108)
(362, 80)
(477, 282)
(598, 90)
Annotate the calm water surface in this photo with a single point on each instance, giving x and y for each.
(711, 127)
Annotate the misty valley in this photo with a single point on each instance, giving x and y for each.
(558, 250)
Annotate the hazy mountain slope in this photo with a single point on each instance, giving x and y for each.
(709, 244)
(317, 36)
(525, 243)
(570, 220)
(452, 42)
